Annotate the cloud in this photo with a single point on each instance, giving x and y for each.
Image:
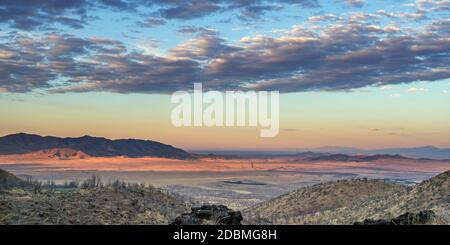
(418, 15)
(93, 64)
(416, 90)
(386, 129)
(390, 131)
(433, 5)
(289, 129)
(341, 57)
(256, 12)
(350, 52)
(21, 69)
(196, 30)
(30, 15)
(386, 87)
(322, 18)
(421, 10)
(205, 46)
(248, 9)
(190, 9)
(151, 22)
(355, 3)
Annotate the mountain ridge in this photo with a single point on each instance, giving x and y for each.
(427, 151)
(22, 143)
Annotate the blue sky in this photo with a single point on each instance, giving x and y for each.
(351, 72)
(153, 46)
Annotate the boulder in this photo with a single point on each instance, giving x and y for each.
(209, 215)
(421, 218)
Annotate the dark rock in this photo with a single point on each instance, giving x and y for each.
(421, 218)
(373, 222)
(209, 215)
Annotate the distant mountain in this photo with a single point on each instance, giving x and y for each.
(313, 156)
(415, 152)
(351, 158)
(424, 151)
(347, 201)
(93, 146)
(430, 152)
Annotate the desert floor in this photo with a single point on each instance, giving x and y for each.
(231, 182)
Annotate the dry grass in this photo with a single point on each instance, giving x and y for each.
(345, 202)
(113, 204)
(341, 202)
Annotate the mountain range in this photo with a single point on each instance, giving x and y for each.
(430, 152)
(22, 143)
(339, 157)
(414, 152)
(86, 146)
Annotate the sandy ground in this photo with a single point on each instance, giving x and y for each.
(217, 165)
(232, 182)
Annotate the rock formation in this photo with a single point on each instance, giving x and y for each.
(421, 218)
(210, 215)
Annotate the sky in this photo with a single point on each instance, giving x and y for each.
(367, 74)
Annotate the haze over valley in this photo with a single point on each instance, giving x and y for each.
(238, 181)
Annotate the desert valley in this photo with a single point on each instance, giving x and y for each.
(241, 182)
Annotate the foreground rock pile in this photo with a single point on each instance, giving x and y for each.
(210, 215)
(420, 218)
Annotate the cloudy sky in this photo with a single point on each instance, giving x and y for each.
(352, 72)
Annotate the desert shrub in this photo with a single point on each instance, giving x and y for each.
(117, 185)
(92, 182)
(72, 184)
(37, 186)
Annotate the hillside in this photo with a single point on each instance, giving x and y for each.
(89, 146)
(345, 202)
(89, 203)
(341, 202)
(320, 198)
(7, 179)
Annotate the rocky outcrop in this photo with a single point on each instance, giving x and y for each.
(209, 215)
(420, 218)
